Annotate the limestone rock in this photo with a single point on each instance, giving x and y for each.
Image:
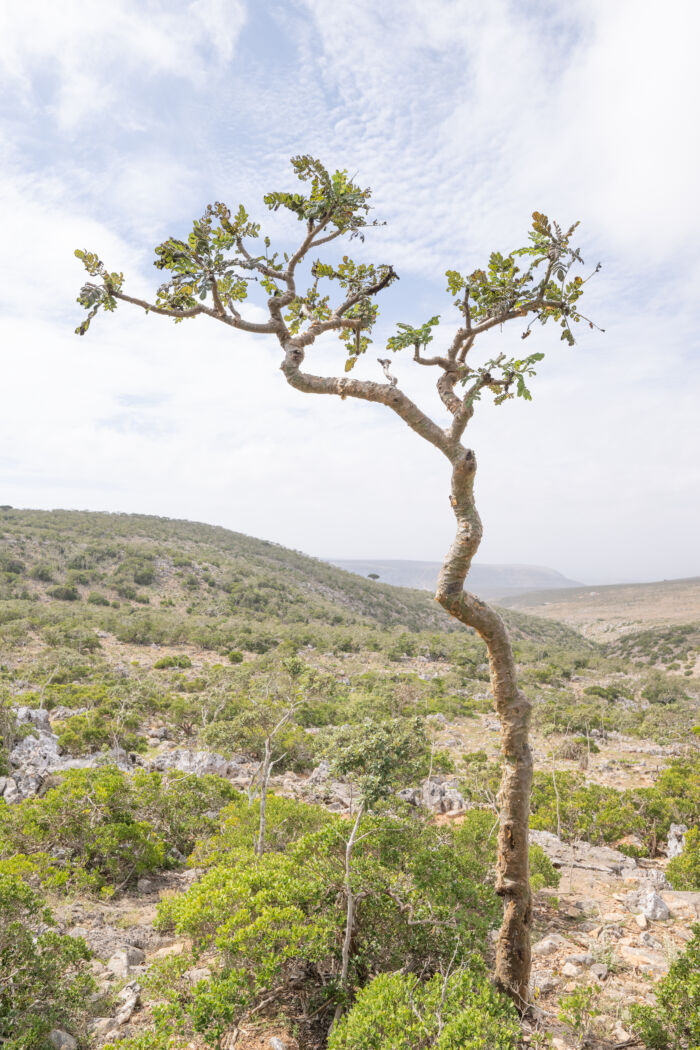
(644, 959)
(676, 840)
(543, 983)
(549, 944)
(61, 1040)
(654, 907)
(123, 961)
(197, 762)
(128, 1000)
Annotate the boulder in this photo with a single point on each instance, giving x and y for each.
(197, 762)
(320, 774)
(543, 983)
(644, 959)
(127, 1001)
(124, 960)
(583, 855)
(441, 796)
(61, 1040)
(654, 907)
(676, 840)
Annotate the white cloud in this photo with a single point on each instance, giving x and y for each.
(463, 117)
(93, 57)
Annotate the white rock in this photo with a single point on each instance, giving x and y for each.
(123, 960)
(641, 921)
(550, 944)
(129, 998)
(676, 840)
(62, 1040)
(654, 907)
(197, 974)
(543, 983)
(570, 969)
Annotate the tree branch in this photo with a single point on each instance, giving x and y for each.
(364, 390)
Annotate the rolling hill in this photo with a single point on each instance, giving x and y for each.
(157, 579)
(491, 582)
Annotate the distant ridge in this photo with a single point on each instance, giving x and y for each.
(488, 581)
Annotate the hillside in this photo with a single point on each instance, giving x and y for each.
(202, 569)
(156, 579)
(145, 668)
(491, 582)
(656, 622)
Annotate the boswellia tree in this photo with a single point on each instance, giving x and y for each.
(211, 274)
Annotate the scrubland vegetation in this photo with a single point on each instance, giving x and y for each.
(363, 925)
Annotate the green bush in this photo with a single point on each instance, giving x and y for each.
(64, 593)
(663, 689)
(543, 874)
(278, 920)
(399, 1012)
(42, 572)
(43, 980)
(104, 828)
(673, 1023)
(173, 661)
(95, 598)
(683, 871)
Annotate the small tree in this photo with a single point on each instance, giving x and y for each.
(210, 275)
(378, 756)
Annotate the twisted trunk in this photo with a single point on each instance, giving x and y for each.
(513, 708)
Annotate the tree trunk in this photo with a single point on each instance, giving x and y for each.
(513, 708)
(351, 900)
(264, 781)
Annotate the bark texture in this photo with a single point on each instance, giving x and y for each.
(513, 876)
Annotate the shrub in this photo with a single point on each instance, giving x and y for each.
(11, 565)
(673, 1023)
(173, 661)
(94, 598)
(278, 920)
(64, 593)
(683, 872)
(42, 572)
(542, 871)
(108, 828)
(399, 1012)
(235, 656)
(43, 982)
(663, 689)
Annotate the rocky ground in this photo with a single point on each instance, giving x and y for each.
(613, 924)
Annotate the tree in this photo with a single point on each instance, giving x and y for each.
(377, 756)
(211, 274)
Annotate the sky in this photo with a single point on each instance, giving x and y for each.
(119, 122)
